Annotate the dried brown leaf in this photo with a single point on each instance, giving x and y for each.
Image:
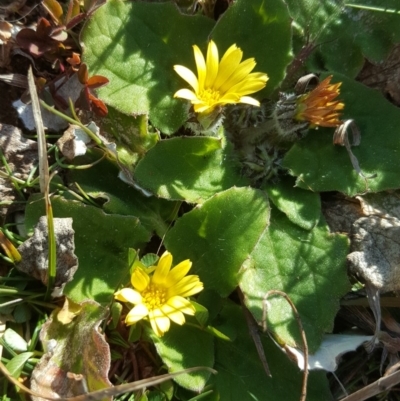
(77, 354)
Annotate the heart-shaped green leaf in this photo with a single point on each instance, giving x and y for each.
(190, 169)
(309, 266)
(219, 235)
(135, 45)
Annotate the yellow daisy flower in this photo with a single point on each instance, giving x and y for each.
(220, 82)
(319, 107)
(160, 294)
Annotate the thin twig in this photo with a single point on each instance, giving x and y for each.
(303, 394)
(107, 392)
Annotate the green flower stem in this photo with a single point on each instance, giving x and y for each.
(91, 135)
(369, 8)
(52, 249)
(72, 166)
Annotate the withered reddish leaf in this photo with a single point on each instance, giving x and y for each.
(73, 10)
(83, 74)
(98, 106)
(74, 60)
(43, 28)
(29, 40)
(74, 351)
(97, 81)
(76, 20)
(83, 101)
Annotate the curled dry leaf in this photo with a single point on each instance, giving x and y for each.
(76, 353)
(375, 253)
(74, 140)
(34, 252)
(20, 154)
(333, 346)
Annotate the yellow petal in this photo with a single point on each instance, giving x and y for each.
(249, 100)
(242, 71)
(178, 272)
(175, 315)
(137, 313)
(229, 62)
(163, 268)
(140, 279)
(188, 286)
(248, 86)
(128, 295)
(229, 98)
(186, 94)
(188, 76)
(201, 66)
(211, 64)
(159, 323)
(182, 304)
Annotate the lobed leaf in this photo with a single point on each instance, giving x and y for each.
(190, 169)
(241, 375)
(309, 266)
(135, 45)
(219, 235)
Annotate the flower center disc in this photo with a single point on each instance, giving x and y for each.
(209, 96)
(154, 296)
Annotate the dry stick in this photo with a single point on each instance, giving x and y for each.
(44, 181)
(382, 384)
(107, 392)
(303, 394)
(253, 330)
(44, 175)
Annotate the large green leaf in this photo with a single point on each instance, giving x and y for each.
(262, 29)
(345, 34)
(219, 235)
(301, 207)
(101, 242)
(241, 375)
(309, 266)
(185, 347)
(135, 45)
(190, 169)
(321, 166)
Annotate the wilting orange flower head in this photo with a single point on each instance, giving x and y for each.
(319, 106)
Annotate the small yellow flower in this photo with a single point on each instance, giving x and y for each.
(220, 82)
(319, 107)
(161, 296)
